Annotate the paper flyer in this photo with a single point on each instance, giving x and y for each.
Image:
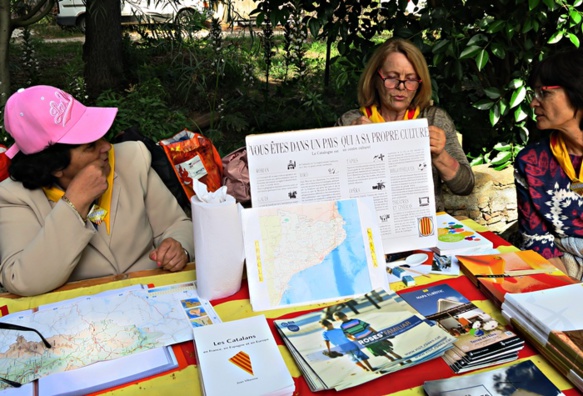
(390, 162)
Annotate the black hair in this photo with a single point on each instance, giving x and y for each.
(36, 170)
(340, 314)
(565, 69)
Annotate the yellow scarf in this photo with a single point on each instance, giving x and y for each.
(561, 154)
(372, 112)
(55, 193)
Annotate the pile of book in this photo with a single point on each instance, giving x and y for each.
(481, 341)
(360, 340)
(551, 320)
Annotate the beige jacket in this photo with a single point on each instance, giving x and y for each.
(44, 245)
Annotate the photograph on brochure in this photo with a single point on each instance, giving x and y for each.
(360, 340)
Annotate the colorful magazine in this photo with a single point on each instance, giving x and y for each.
(480, 338)
(348, 344)
(511, 272)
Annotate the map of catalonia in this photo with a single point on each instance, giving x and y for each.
(295, 239)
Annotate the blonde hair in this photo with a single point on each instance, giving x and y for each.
(369, 83)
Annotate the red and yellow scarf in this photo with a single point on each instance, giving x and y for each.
(372, 112)
(103, 204)
(559, 149)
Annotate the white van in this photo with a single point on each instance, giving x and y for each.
(72, 12)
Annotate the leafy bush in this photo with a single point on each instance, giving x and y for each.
(145, 106)
(480, 54)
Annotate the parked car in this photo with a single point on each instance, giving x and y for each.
(72, 12)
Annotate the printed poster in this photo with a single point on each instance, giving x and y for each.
(390, 162)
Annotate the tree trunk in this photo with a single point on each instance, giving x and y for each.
(28, 16)
(5, 34)
(102, 51)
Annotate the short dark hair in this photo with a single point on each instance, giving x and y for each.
(339, 314)
(36, 170)
(564, 68)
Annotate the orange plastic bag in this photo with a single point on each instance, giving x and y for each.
(194, 157)
(4, 163)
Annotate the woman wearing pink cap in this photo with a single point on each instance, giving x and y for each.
(76, 207)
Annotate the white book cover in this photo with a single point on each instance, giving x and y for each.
(558, 308)
(454, 237)
(241, 357)
(389, 162)
(290, 249)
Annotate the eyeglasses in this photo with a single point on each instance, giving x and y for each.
(393, 82)
(10, 326)
(540, 93)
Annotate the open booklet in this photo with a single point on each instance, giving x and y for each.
(359, 340)
(112, 337)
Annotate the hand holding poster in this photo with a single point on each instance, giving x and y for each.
(390, 162)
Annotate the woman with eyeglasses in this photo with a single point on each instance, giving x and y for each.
(395, 85)
(548, 173)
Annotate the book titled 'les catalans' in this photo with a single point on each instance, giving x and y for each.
(241, 358)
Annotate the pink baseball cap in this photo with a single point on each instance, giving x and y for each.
(40, 116)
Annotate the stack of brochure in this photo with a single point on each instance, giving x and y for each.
(481, 341)
(241, 358)
(522, 378)
(551, 320)
(349, 344)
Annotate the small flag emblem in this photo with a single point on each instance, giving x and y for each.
(243, 361)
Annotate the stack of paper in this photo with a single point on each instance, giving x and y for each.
(522, 378)
(481, 341)
(360, 340)
(551, 319)
(241, 358)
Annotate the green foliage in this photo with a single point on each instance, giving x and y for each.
(145, 106)
(499, 157)
(480, 54)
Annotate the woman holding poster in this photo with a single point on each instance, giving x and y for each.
(395, 85)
